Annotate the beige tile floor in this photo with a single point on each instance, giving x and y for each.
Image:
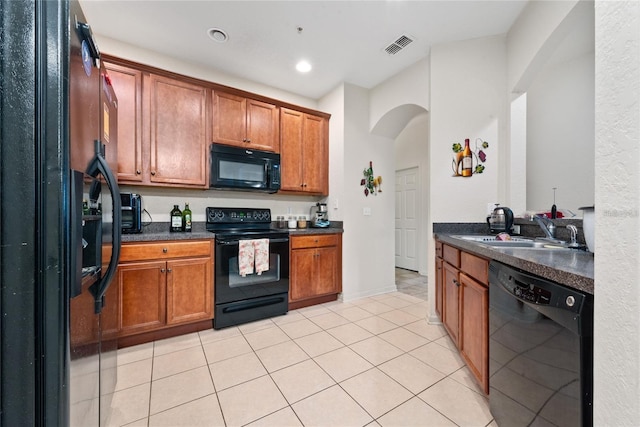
(370, 362)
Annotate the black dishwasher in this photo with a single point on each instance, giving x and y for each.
(540, 351)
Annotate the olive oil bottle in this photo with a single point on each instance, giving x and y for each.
(176, 219)
(186, 218)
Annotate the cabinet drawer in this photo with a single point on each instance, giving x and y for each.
(314, 241)
(476, 267)
(438, 249)
(451, 255)
(162, 250)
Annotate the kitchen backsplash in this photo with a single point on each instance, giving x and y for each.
(159, 201)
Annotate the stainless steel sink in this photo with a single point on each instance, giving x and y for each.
(515, 242)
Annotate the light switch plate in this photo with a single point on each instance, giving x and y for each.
(366, 211)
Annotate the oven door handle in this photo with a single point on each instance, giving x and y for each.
(235, 241)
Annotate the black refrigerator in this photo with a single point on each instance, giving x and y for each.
(59, 220)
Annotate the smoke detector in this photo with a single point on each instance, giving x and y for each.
(218, 35)
(399, 44)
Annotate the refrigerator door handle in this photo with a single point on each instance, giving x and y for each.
(99, 166)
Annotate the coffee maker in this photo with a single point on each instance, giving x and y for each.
(319, 215)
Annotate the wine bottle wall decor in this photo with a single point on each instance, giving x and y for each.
(371, 183)
(468, 161)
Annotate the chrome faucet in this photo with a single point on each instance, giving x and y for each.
(547, 226)
(574, 236)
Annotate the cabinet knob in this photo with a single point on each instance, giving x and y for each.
(138, 172)
(301, 185)
(169, 270)
(455, 282)
(162, 270)
(153, 173)
(165, 250)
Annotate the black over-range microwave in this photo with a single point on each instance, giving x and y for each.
(234, 168)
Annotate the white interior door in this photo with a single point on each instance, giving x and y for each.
(407, 202)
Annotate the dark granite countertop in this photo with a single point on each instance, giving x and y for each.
(160, 231)
(572, 268)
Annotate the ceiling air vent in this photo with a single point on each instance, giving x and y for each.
(399, 44)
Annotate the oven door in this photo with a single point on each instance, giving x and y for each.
(241, 299)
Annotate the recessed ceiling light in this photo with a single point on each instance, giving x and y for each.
(218, 35)
(303, 66)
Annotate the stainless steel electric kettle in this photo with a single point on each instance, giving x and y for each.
(500, 220)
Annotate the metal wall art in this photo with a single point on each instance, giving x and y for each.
(372, 185)
(467, 161)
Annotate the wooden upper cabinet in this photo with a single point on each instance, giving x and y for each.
(291, 150)
(304, 147)
(127, 84)
(177, 120)
(245, 122)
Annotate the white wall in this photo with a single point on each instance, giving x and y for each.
(409, 87)
(412, 150)
(560, 136)
(334, 102)
(532, 39)
(468, 100)
(617, 236)
(368, 241)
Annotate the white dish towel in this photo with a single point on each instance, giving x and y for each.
(253, 255)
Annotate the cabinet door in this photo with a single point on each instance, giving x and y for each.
(178, 132)
(326, 270)
(263, 126)
(314, 272)
(439, 282)
(302, 274)
(127, 84)
(315, 160)
(142, 296)
(450, 303)
(474, 331)
(229, 119)
(291, 150)
(189, 290)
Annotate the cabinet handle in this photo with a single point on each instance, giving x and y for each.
(455, 282)
(153, 173)
(165, 250)
(162, 270)
(169, 270)
(138, 172)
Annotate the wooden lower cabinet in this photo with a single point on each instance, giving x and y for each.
(474, 330)
(462, 280)
(143, 288)
(451, 302)
(189, 290)
(162, 285)
(316, 269)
